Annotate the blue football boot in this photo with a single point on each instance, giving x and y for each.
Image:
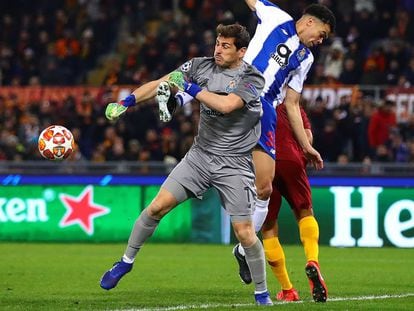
(111, 277)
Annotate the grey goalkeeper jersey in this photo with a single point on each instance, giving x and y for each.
(230, 134)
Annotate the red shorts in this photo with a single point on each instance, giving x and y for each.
(290, 182)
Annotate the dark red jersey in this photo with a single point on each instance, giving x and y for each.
(287, 147)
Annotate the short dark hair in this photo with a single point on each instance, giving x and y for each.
(236, 31)
(323, 13)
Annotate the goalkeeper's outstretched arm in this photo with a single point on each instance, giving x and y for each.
(148, 90)
(143, 93)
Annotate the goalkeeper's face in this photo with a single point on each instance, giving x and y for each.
(226, 54)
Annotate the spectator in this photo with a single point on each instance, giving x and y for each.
(380, 124)
(400, 149)
(350, 72)
(334, 60)
(360, 114)
(58, 42)
(327, 142)
(409, 71)
(407, 129)
(411, 151)
(372, 74)
(318, 114)
(343, 159)
(382, 154)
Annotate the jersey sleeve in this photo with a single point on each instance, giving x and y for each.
(250, 86)
(298, 78)
(270, 14)
(189, 68)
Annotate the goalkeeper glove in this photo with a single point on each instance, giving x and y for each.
(114, 110)
(176, 79)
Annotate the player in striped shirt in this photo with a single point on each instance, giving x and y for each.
(280, 50)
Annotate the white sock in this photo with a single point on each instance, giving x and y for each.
(127, 260)
(241, 250)
(260, 213)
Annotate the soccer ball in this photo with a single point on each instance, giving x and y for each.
(56, 142)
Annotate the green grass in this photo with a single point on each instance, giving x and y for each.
(66, 277)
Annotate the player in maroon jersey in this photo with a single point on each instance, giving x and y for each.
(291, 182)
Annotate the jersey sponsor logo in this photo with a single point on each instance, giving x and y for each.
(301, 54)
(281, 55)
(213, 113)
(186, 66)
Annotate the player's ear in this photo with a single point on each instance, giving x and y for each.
(242, 51)
(310, 20)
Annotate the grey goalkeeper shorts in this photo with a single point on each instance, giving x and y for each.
(233, 177)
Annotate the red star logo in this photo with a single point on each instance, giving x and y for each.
(81, 210)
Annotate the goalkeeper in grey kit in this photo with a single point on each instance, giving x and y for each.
(228, 90)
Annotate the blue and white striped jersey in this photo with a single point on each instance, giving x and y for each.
(275, 50)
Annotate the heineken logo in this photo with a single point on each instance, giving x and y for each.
(398, 221)
(80, 210)
(19, 210)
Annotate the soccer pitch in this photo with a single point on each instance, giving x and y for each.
(170, 277)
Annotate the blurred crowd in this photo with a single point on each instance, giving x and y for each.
(363, 131)
(129, 42)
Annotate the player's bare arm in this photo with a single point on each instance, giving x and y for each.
(221, 103)
(251, 4)
(295, 119)
(145, 92)
(148, 90)
(293, 111)
(309, 135)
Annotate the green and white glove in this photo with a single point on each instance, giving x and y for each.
(176, 79)
(114, 110)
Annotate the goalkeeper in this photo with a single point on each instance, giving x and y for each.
(221, 156)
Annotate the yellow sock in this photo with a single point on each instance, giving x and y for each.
(309, 235)
(276, 259)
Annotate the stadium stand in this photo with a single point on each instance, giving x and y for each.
(62, 61)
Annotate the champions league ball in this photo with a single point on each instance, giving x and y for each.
(56, 143)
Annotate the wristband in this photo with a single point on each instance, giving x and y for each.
(128, 101)
(192, 89)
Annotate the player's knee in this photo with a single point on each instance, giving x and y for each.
(244, 232)
(303, 211)
(269, 225)
(157, 210)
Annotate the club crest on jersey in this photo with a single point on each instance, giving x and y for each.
(231, 86)
(186, 66)
(281, 55)
(301, 54)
